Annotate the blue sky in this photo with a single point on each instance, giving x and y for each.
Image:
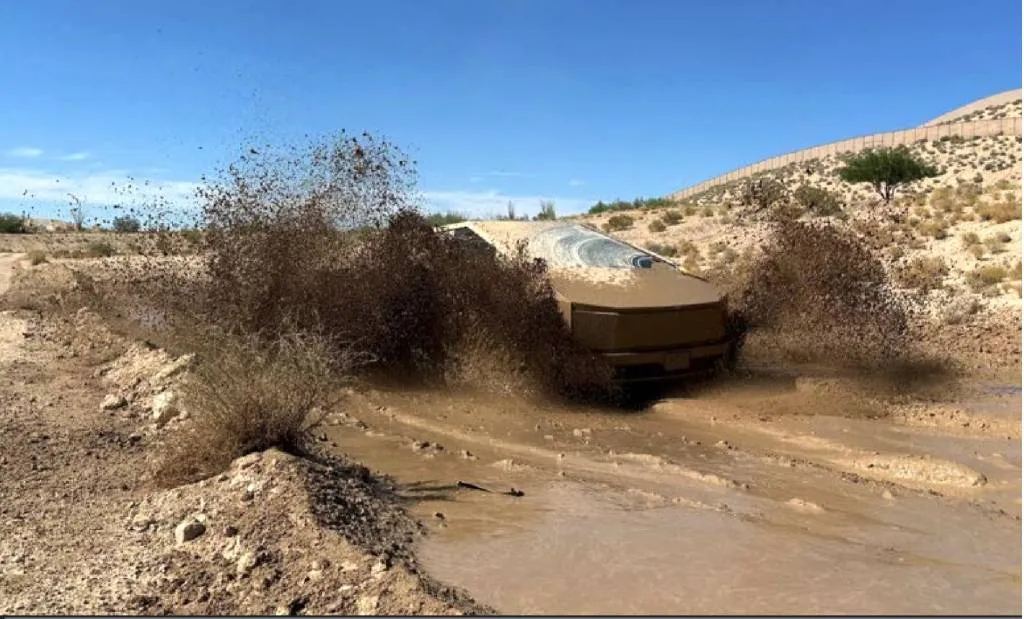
(497, 100)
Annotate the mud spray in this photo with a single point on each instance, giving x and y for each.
(324, 238)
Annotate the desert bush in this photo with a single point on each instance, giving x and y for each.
(689, 248)
(672, 218)
(99, 249)
(763, 193)
(970, 238)
(126, 224)
(12, 224)
(663, 249)
(1015, 272)
(637, 204)
(444, 219)
(247, 395)
(959, 308)
(36, 257)
(656, 226)
(935, 228)
(977, 250)
(942, 199)
(995, 243)
(986, 276)
(1000, 212)
(821, 202)
(618, 223)
(923, 273)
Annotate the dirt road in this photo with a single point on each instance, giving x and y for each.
(761, 496)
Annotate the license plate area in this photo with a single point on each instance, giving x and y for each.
(677, 361)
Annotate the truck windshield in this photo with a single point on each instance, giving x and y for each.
(573, 245)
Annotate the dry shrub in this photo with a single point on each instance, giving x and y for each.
(819, 294)
(672, 218)
(656, 226)
(618, 223)
(923, 273)
(970, 238)
(36, 257)
(663, 249)
(986, 277)
(247, 394)
(1001, 212)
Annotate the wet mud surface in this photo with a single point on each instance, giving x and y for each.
(778, 495)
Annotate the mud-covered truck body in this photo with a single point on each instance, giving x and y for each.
(646, 315)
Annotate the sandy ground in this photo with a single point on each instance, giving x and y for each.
(83, 530)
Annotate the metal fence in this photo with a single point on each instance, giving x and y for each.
(973, 129)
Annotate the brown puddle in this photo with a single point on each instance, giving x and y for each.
(641, 513)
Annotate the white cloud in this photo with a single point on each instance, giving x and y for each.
(576, 183)
(76, 156)
(24, 152)
(99, 189)
(493, 202)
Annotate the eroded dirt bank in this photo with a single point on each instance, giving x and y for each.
(84, 530)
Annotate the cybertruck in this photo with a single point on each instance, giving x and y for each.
(649, 318)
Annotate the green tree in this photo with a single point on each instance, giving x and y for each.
(12, 224)
(547, 211)
(886, 169)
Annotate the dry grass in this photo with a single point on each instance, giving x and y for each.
(923, 273)
(618, 223)
(248, 395)
(37, 257)
(986, 277)
(656, 226)
(672, 218)
(1001, 212)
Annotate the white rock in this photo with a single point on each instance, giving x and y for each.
(245, 563)
(367, 605)
(113, 401)
(165, 406)
(378, 569)
(247, 460)
(172, 368)
(188, 529)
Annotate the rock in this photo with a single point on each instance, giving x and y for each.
(165, 406)
(367, 605)
(113, 401)
(349, 566)
(246, 562)
(188, 530)
(172, 368)
(230, 531)
(378, 569)
(467, 455)
(887, 495)
(581, 432)
(141, 522)
(247, 460)
(134, 437)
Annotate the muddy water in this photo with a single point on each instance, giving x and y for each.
(740, 502)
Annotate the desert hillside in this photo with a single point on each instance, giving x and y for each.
(952, 242)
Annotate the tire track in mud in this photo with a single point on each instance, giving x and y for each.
(615, 468)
